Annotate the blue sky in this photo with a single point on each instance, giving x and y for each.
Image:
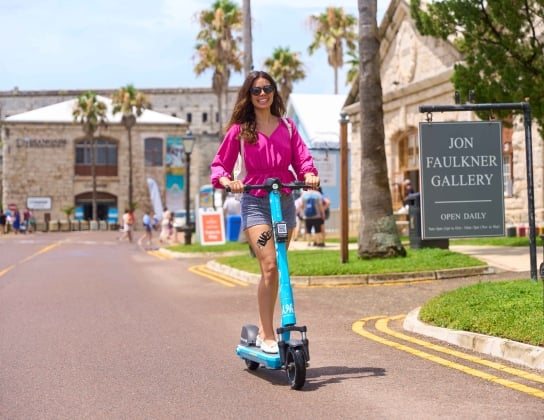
(104, 44)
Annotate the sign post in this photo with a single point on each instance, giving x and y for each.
(461, 179)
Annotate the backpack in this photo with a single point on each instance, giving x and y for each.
(310, 209)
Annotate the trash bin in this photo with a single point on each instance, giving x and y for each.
(234, 222)
(414, 226)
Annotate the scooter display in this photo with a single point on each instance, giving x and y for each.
(293, 355)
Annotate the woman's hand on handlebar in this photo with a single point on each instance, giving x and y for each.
(311, 180)
(235, 186)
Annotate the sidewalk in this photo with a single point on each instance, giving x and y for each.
(515, 258)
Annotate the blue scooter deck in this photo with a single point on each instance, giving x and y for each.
(255, 354)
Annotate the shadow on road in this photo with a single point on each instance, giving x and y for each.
(321, 376)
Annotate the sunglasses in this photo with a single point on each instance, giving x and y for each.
(256, 91)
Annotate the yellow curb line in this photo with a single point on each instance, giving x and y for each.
(222, 279)
(382, 325)
(358, 327)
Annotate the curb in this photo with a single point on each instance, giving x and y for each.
(362, 279)
(513, 351)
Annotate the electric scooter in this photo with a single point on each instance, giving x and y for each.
(293, 354)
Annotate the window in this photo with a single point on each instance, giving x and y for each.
(153, 151)
(507, 161)
(105, 157)
(204, 117)
(189, 117)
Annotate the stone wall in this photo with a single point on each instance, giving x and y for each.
(416, 71)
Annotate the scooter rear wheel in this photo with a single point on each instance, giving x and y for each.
(251, 365)
(296, 368)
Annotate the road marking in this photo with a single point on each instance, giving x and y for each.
(358, 327)
(5, 270)
(212, 275)
(160, 255)
(382, 325)
(42, 251)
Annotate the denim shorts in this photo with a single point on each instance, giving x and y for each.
(256, 210)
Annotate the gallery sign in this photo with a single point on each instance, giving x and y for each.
(461, 179)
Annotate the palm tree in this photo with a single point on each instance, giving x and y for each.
(332, 30)
(353, 71)
(219, 47)
(131, 104)
(285, 67)
(248, 37)
(90, 113)
(378, 234)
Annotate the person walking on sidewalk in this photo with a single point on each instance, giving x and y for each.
(314, 215)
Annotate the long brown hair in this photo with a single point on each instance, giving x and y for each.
(244, 113)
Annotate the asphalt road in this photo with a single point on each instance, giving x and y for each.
(95, 329)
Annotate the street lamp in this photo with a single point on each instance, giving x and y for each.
(344, 215)
(188, 143)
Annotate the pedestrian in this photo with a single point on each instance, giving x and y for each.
(165, 226)
(314, 215)
(172, 228)
(326, 211)
(3, 221)
(270, 146)
(300, 218)
(128, 222)
(26, 225)
(408, 190)
(16, 221)
(147, 236)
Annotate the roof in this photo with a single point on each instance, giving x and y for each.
(317, 118)
(62, 113)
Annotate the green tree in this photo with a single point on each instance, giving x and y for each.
(353, 71)
(502, 46)
(286, 68)
(131, 104)
(378, 234)
(90, 113)
(218, 49)
(332, 30)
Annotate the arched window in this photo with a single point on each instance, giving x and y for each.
(105, 157)
(153, 151)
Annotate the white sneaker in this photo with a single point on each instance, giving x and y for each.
(258, 341)
(269, 348)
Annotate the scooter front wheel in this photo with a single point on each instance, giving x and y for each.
(296, 368)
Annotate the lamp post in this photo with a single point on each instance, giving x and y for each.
(344, 223)
(188, 144)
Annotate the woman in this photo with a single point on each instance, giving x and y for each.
(272, 145)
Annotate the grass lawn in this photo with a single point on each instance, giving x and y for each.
(510, 310)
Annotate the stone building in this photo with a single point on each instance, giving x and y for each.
(416, 70)
(40, 142)
(47, 164)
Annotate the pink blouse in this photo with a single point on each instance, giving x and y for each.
(277, 156)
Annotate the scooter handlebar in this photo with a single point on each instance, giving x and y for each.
(274, 184)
